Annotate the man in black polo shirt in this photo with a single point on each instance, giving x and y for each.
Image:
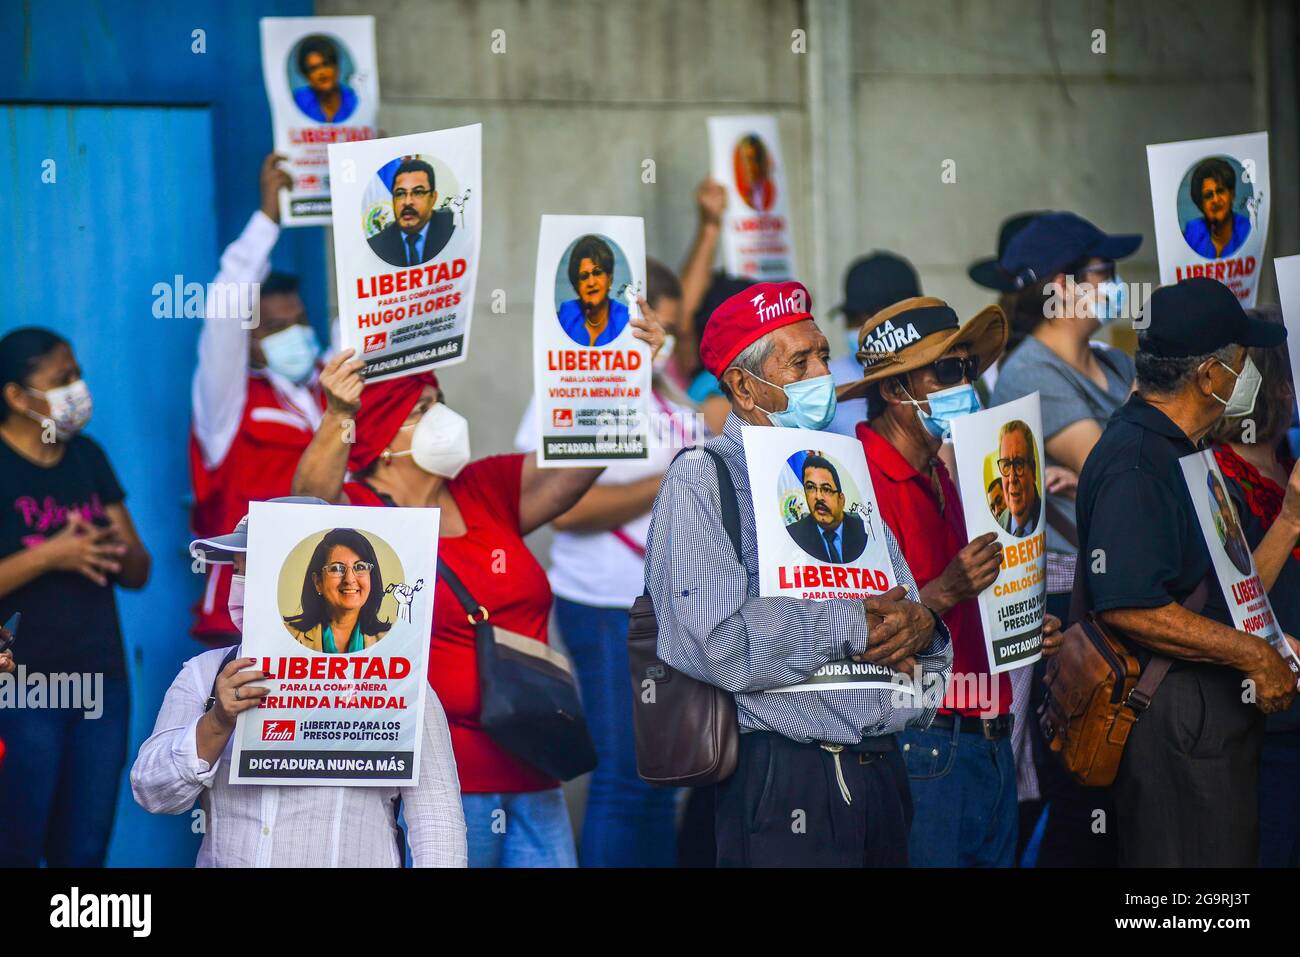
(1185, 794)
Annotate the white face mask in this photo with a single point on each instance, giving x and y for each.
(291, 352)
(440, 444)
(235, 603)
(70, 408)
(1242, 400)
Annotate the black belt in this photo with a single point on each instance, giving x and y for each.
(991, 728)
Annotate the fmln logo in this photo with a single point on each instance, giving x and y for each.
(279, 730)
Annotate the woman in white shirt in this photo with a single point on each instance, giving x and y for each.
(187, 758)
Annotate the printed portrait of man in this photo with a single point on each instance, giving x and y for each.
(754, 173)
(595, 317)
(827, 532)
(997, 501)
(1227, 527)
(1018, 465)
(419, 230)
(324, 98)
(1220, 231)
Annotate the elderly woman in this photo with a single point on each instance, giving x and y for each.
(341, 595)
(187, 758)
(1220, 230)
(412, 450)
(593, 319)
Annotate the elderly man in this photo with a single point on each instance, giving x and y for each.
(1018, 466)
(962, 768)
(820, 780)
(1185, 794)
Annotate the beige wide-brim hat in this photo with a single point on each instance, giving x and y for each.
(913, 333)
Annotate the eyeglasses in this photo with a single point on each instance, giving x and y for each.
(338, 569)
(1006, 466)
(418, 193)
(954, 369)
(827, 490)
(596, 272)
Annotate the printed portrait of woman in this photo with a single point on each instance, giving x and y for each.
(753, 169)
(325, 98)
(342, 590)
(595, 317)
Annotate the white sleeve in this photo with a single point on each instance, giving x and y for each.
(435, 818)
(168, 774)
(221, 377)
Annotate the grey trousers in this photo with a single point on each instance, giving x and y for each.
(1186, 792)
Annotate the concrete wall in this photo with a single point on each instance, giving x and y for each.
(1010, 90)
(584, 93)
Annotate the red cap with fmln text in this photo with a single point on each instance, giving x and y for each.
(748, 316)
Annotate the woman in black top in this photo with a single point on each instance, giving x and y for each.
(66, 539)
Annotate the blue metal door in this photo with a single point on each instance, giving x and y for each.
(101, 206)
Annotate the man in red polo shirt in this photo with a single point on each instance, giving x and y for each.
(256, 396)
(962, 769)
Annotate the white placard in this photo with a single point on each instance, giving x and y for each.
(745, 156)
(1287, 271)
(999, 454)
(805, 484)
(322, 82)
(1211, 200)
(406, 256)
(591, 375)
(1234, 565)
(349, 717)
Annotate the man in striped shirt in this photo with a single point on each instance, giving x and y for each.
(820, 781)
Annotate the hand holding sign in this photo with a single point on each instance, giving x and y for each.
(235, 692)
(271, 180)
(1274, 681)
(971, 570)
(342, 382)
(905, 628)
(648, 327)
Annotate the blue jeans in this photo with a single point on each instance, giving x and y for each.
(531, 829)
(628, 823)
(1279, 800)
(59, 781)
(964, 810)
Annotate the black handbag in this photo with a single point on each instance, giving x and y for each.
(529, 699)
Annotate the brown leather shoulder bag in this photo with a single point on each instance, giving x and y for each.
(1096, 691)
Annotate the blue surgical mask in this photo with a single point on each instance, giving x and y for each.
(1112, 299)
(809, 403)
(291, 352)
(946, 405)
(851, 340)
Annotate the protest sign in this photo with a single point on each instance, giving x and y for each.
(407, 225)
(1287, 270)
(323, 86)
(1210, 199)
(745, 156)
(1234, 565)
(820, 534)
(591, 375)
(353, 715)
(999, 454)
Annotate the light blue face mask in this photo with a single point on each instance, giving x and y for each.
(809, 403)
(946, 405)
(851, 340)
(1112, 300)
(291, 352)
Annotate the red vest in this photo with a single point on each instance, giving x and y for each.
(259, 465)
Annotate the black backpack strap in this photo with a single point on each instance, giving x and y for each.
(472, 607)
(727, 495)
(230, 656)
